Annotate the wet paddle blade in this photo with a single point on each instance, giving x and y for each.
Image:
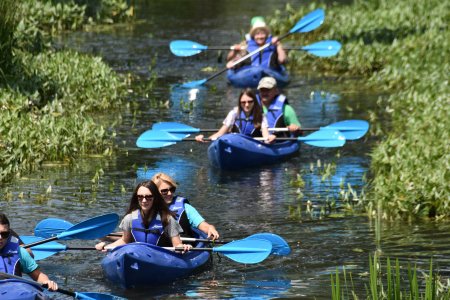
(93, 228)
(194, 84)
(96, 296)
(45, 250)
(51, 227)
(323, 48)
(351, 129)
(279, 245)
(309, 22)
(324, 138)
(186, 48)
(158, 139)
(250, 251)
(174, 127)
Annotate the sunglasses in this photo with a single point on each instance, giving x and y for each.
(247, 102)
(5, 234)
(146, 197)
(166, 191)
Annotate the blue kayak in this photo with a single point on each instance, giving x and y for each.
(236, 151)
(249, 76)
(141, 264)
(15, 289)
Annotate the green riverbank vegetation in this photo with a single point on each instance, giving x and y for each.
(390, 281)
(400, 48)
(48, 98)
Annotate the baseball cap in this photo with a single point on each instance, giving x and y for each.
(267, 83)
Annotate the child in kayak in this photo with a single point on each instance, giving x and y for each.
(147, 219)
(246, 118)
(271, 57)
(186, 215)
(16, 259)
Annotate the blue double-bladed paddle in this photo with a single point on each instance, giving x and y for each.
(76, 295)
(350, 129)
(189, 48)
(90, 229)
(322, 138)
(52, 226)
(309, 22)
(247, 251)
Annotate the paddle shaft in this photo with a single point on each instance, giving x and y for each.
(6, 275)
(54, 238)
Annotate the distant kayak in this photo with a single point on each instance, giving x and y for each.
(141, 264)
(237, 151)
(15, 289)
(249, 76)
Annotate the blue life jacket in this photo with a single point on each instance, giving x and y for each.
(262, 58)
(10, 257)
(274, 114)
(178, 207)
(150, 234)
(244, 124)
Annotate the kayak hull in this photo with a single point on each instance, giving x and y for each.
(15, 289)
(235, 151)
(141, 264)
(249, 76)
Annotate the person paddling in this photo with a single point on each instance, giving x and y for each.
(15, 259)
(247, 118)
(186, 215)
(275, 105)
(147, 219)
(272, 57)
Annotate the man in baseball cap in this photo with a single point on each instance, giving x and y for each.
(275, 105)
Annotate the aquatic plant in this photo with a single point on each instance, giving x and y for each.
(393, 283)
(400, 48)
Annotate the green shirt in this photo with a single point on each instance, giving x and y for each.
(289, 115)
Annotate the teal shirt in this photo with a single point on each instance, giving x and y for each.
(195, 219)
(26, 261)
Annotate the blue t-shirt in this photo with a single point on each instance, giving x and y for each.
(27, 262)
(195, 219)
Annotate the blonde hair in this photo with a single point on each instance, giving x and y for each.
(160, 177)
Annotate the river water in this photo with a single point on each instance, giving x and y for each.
(237, 203)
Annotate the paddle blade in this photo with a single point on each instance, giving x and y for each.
(351, 129)
(174, 127)
(97, 296)
(324, 138)
(194, 84)
(45, 250)
(323, 48)
(51, 227)
(158, 139)
(91, 229)
(279, 245)
(249, 251)
(309, 22)
(186, 48)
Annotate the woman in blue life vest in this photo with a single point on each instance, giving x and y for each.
(186, 215)
(259, 35)
(246, 118)
(147, 219)
(15, 259)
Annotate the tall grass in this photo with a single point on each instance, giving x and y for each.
(8, 24)
(391, 283)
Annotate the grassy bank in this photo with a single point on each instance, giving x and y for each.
(402, 48)
(47, 98)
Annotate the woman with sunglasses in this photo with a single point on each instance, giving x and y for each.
(247, 118)
(15, 259)
(148, 220)
(186, 215)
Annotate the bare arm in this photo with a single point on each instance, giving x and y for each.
(125, 239)
(209, 229)
(281, 53)
(40, 277)
(224, 129)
